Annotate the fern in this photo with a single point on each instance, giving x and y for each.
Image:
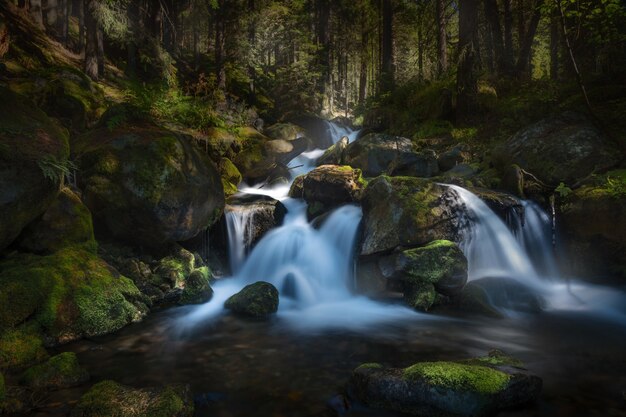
(55, 170)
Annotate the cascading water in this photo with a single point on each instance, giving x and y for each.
(337, 131)
(239, 225)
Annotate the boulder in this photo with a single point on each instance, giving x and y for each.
(330, 186)
(283, 151)
(66, 222)
(197, 289)
(415, 164)
(231, 177)
(493, 296)
(108, 399)
(564, 148)
(317, 130)
(374, 153)
(284, 131)
(264, 212)
(335, 155)
(476, 387)
(149, 186)
(255, 300)
(437, 268)
(67, 295)
(407, 212)
(60, 371)
(451, 158)
(21, 346)
(34, 155)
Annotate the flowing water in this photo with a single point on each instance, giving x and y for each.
(299, 361)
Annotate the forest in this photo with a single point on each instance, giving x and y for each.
(309, 208)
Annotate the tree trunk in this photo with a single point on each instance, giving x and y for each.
(554, 46)
(364, 62)
(100, 50)
(508, 37)
(442, 38)
(523, 61)
(91, 44)
(325, 54)
(220, 47)
(388, 61)
(81, 27)
(131, 45)
(52, 13)
(492, 14)
(467, 81)
(36, 12)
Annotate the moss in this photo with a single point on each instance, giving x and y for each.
(496, 358)
(110, 399)
(370, 365)
(456, 376)
(433, 262)
(69, 294)
(60, 371)
(420, 296)
(21, 347)
(197, 289)
(256, 300)
(231, 177)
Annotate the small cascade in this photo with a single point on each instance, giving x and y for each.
(337, 131)
(239, 224)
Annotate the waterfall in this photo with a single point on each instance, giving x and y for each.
(239, 224)
(337, 131)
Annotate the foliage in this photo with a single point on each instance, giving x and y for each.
(563, 190)
(54, 169)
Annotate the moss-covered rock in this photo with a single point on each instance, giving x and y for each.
(330, 186)
(60, 371)
(468, 388)
(375, 153)
(69, 294)
(149, 186)
(67, 222)
(408, 212)
(231, 177)
(284, 131)
(21, 347)
(33, 159)
(335, 155)
(255, 300)
(110, 399)
(197, 289)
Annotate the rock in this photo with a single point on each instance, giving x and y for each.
(335, 155)
(197, 289)
(440, 267)
(284, 131)
(408, 212)
(110, 399)
(592, 223)
(375, 153)
(33, 158)
(20, 347)
(283, 151)
(330, 186)
(220, 142)
(264, 212)
(60, 371)
(256, 300)
(68, 295)
(231, 177)
(478, 387)
(564, 148)
(449, 159)
(422, 164)
(66, 222)
(317, 130)
(492, 296)
(149, 186)
(503, 204)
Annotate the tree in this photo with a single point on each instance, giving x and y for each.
(442, 37)
(387, 47)
(467, 78)
(92, 29)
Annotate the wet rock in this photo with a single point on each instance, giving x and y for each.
(284, 131)
(564, 148)
(477, 387)
(439, 267)
(503, 204)
(66, 222)
(255, 300)
(330, 186)
(60, 371)
(34, 152)
(283, 151)
(492, 296)
(375, 153)
(197, 289)
(415, 164)
(408, 212)
(335, 155)
(317, 130)
(231, 177)
(149, 186)
(265, 213)
(108, 398)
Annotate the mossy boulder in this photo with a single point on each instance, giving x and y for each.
(60, 371)
(335, 155)
(197, 289)
(231, 177)
(66, 222)
(415, 164)
(284, 131)
(437, 268)
(149, 186)
(330, 186)
(375, 153)
(467, 388)
(110, 399)
(256, 300)
(33, 158)
(21, 347)
(593, 226)
(263, 214)
(407, 212)
(67, 295)
(564, 148)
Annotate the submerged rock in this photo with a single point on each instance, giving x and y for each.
(408, 212)
(256, 300)
(110, 399)
(149, 186)
(477, 387)
(330, 186)
(65, 223)
(60, 371)
(564, 148)
(34, 153)
(491, 296)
